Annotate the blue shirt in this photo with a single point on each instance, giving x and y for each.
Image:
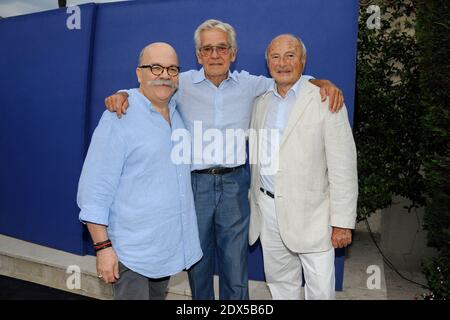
(210, 113)
(218, 118)
(278, 111)
(130, 184)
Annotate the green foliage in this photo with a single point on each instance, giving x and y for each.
(388, 130)
(437, 271)
(433, 34)
(403, 119)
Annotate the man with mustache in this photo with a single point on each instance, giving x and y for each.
(139, 209)
(214, 99)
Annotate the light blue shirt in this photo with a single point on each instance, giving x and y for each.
(278, 111)
(130, 184)
(212, 113)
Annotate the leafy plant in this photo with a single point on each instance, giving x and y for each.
(388, 130)
(433, 34)
(403, 119)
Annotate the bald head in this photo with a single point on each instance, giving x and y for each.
(289, 38)
(155, 50)
(157, 73)
(286, 58)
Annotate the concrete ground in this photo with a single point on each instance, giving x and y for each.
(15, 289)
(400, 289)
(365, 275)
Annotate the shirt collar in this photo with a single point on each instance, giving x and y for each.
(148, 104)
(199, 76)
(295, 88)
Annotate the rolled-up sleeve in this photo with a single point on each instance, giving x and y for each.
(101, 172)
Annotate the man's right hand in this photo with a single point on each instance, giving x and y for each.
(107, 265)
(117, 103)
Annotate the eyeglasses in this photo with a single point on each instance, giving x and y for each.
(158, 69)
(206, 51)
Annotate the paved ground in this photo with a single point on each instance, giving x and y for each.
(360, 255)
(14, 289)
(399, 289)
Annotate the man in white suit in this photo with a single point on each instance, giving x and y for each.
(303, 178)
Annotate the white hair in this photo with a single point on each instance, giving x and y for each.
(300, 43)
(212, 24)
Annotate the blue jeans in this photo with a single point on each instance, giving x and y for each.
(223, 213)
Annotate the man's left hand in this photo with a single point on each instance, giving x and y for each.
(328, 89)
(340, 237)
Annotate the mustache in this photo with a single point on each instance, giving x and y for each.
(160, 82)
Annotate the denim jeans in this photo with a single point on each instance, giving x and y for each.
(223, 213)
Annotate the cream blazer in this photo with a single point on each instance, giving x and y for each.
(316, 183)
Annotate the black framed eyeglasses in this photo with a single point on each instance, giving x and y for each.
(206, 51)
(158, 69)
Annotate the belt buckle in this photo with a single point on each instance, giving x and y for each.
(214, 171)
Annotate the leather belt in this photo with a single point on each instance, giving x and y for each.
(218, 171)
(270, 194)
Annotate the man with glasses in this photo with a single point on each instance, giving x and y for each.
(212, 101)
(139, 209)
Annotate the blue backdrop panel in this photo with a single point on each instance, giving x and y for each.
(43, 82)
(328, 28)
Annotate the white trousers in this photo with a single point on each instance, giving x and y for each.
(283, 268)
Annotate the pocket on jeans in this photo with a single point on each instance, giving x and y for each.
(194, 183)
(247, 177)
